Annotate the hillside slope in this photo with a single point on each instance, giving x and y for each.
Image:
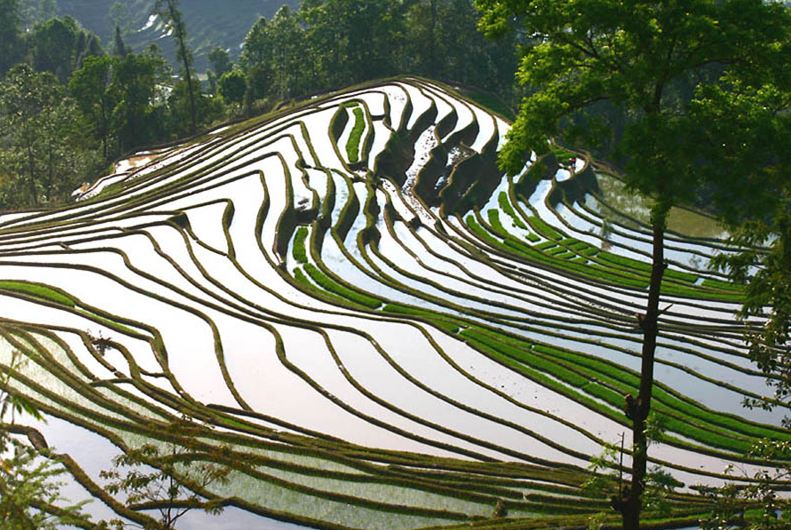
(209, 23)
(375, 326)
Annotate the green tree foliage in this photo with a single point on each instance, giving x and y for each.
(11, 45)
(60, 46)
(232, 86)
(220, 63)
(129, 105)
(47, 9)
(765, 268)
(138, 106)
(756, 505)
(754, 146)
(120, 17)
(91, 88)
(152, 479)
(33, 12)
(43, 150)
(178, 118)
(441, 42)
(256, 58)
(29, 488)
(30, 492)
(614, 74)
(331, 44)
(274, 56)
(356, 39)
(607, 476)
(754, 143)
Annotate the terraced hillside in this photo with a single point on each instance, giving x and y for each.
(377, 327)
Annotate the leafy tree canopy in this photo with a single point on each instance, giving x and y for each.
(232, 86)
(43, 148)
(621, 75)
(11, 46)
(220, 61)
(134, 88)
(647, 85)
(60, 46)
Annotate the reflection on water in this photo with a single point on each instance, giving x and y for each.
(94, 453)
(613, 193)
(233, 519)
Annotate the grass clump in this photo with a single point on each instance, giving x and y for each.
(481, 232)
(300, 252)
(499, 229)
(507, 208)
(583, 259)
(537, 253)
(540, 226)
(327, 283)
(721, 285)
(353, 147)
(447, 324)
(39, 291)
(309, 286)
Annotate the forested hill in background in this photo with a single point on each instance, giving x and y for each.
(211, 23)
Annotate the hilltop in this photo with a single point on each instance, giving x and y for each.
(210, 23)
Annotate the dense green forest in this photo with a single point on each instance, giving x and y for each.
(60, 80)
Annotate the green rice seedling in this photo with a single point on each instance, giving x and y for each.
(353, 146)
(300, 251)
(334, 287)
(39, 291)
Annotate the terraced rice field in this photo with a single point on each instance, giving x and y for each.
(378, 327)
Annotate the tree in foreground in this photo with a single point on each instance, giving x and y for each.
(30, 489)
(758, 504)
(157, 479)
(30, 496)
(754, 143)
(619, 78)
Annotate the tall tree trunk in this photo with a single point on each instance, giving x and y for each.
(432, 57)
(191, 91)
(50, 174)
(638, 409)
(105, 131)
(180, 31)
(31, 182)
